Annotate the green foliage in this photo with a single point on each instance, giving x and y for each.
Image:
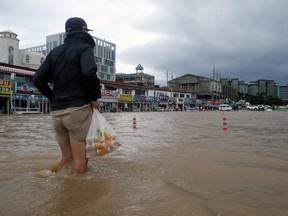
(260, 99)
(274, 100)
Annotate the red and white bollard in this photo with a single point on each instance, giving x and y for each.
(225, 124)
(134, 123)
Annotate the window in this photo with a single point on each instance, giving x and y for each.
(127, 91)
(7, 76)
(60, 39)
(54, 44)
(11, 55)
(27, 59)
(20, 78)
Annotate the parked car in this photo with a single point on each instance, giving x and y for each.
(252, 107)
(225, 107)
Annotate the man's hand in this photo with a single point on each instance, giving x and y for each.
(95, 104)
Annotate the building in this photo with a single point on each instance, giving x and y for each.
(38, 49)
(243, 87)
(138, 78)
(229, 89)
(198, 86)
(263, 88)
(104, 53)
(19, 95)
(235, 84)
(271, 88)
(11, 54)
(203, 90)
(283, 92)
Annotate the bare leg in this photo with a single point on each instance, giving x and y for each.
(67, 156)
(79, 157)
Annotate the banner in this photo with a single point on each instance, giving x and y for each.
(125, 97)
(27, 88)
(140, 98)
(109, 93)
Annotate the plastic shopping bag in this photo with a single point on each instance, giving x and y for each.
(101, 138)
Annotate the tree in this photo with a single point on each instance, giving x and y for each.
(274, 100)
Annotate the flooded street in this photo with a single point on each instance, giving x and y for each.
(174, 163)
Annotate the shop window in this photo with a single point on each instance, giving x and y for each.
(7, 76)
(20, 78)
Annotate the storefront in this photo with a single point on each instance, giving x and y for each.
(109, 100)
(5, 92)
(27, 99)
(126, 102)
(187, 103)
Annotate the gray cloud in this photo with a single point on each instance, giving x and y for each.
(243, 39)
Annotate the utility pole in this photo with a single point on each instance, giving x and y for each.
(213, 84)
(167, 76)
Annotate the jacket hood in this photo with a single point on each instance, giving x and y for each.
(83, 36)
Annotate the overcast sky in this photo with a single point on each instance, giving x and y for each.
(245, 39)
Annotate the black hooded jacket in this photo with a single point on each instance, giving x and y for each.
(71, 70)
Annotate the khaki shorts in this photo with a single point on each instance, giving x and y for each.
(71, 125)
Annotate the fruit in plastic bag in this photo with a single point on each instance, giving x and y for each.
(103, 151)
(100, 145)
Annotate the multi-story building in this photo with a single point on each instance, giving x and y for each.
(139, 78)
(253, 88)
(11, 54)
(38, 49)
(229, 89)
(243, 87)
(200, 87)
(283, 92)
(235, 84)
(203, 90)
(271, 88)
(104, 54)
(18, 94)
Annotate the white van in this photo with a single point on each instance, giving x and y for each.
(225, 107)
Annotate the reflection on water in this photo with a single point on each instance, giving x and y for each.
(176, 163)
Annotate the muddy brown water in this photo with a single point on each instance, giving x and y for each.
(174, 163)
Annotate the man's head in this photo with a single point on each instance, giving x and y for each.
(76, 24)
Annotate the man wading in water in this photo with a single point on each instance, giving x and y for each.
(71, 70)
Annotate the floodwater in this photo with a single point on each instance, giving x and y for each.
(174, 163)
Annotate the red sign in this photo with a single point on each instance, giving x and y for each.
(108, 92)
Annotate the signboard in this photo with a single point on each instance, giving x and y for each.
(27, 88)
(152, 99)
(28, 96)
(5, 87)
(163, 97)
(187, 100)
(109, 92)
(126, 97)
(140, 98)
